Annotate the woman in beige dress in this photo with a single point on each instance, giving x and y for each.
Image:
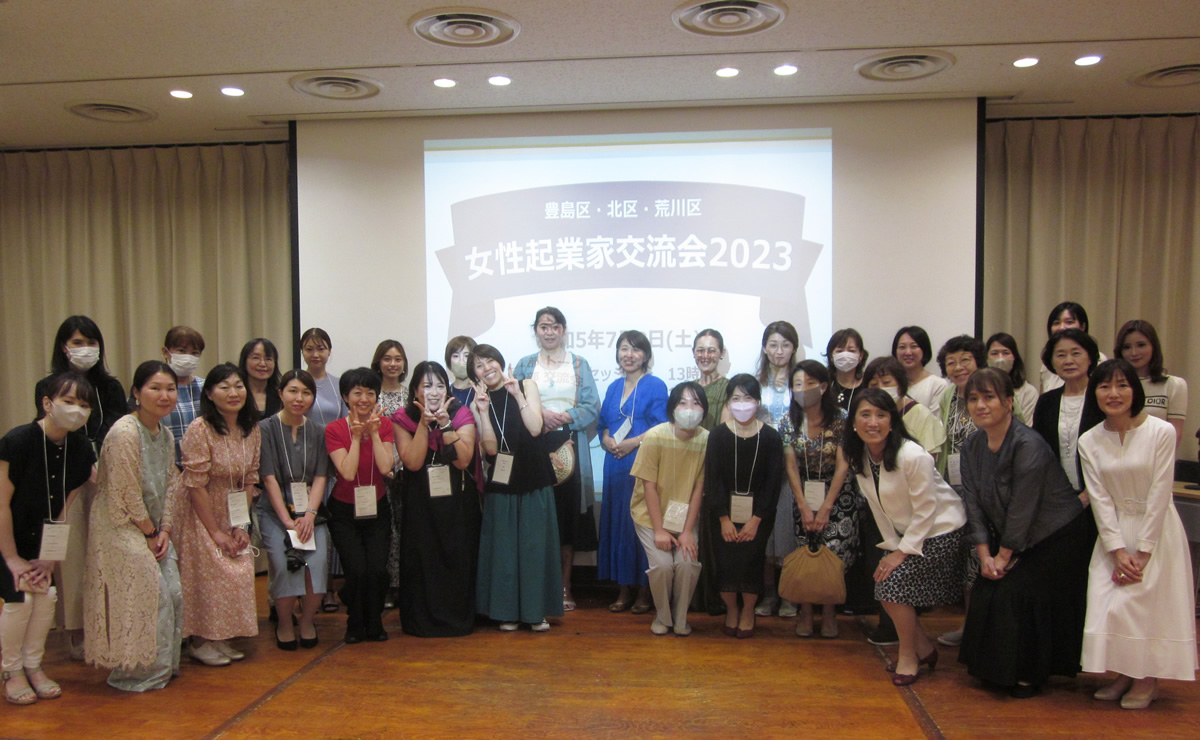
(216, 568)
(133, 604)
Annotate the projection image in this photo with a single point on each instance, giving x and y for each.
(665, 233)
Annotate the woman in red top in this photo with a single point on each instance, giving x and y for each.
(360, 447)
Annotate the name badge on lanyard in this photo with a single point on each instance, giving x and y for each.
(954, 469)
(54, 541)
(502, 471)
(675, 517)
(439, 481)
(364, 502)
(623, 430)
(239, 509)
(300, 497)
(741, 507)
(814, 493)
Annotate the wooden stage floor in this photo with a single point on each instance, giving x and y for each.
(595, 674)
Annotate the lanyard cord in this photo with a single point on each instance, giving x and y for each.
(633, 405)
(821, 446)
(46, 466)
(358, 470)
(303, 445)
(492, 409)
(244, 462)
(753, 462)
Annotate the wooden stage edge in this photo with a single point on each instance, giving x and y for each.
(595, 674)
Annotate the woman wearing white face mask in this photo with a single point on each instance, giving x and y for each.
(42, 467)
(846, 359)
(457, 356)
(1002, 354)
(669, 474)
(812, 431)
(887, 374)
(79, 347)
(181, 350)
(743, 470)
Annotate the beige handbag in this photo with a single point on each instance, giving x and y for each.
(813, 575)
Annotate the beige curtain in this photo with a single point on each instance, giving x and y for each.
(1105, 212)
(141, 240)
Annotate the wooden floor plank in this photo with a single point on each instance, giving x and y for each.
(595, 674)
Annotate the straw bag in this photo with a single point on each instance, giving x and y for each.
(813, 575)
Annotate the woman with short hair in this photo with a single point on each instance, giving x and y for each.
(1061, 416)
(958, 358)
(133, 602)
(457, 357)
(259, 362)
(181, 350)
(216, 568)
(1002, 353)
(1066, 315)
(633, 404)
(887, 374)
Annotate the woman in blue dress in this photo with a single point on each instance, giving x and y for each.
(632, 405)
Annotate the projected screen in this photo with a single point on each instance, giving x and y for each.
(667, 233)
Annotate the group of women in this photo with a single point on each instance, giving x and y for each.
(468, 492)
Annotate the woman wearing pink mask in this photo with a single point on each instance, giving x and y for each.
(743, 470)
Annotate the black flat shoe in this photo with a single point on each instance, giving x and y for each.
(1023, 691)
(381, 637)
(308, 643)
(289, 646)
(353, 638)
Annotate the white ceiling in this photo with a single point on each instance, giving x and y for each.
(568, 55)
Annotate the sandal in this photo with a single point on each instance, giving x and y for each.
(23, 697)
(618, 606)
(45, 688)
(568, 602)
(641, 608)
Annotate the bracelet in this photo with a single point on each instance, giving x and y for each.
(152, 535)
(447, 428)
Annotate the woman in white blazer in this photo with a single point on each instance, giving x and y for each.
(920, 518)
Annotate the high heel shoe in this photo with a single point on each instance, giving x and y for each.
(930, 660)
(288, 645)
(729, 631)
(1114, 690)
(904, 679)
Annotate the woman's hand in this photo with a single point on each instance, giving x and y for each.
(687, 543)
(512, 385)
(821, 520)
(1083, 498)
(158, 545)
(729, 531)
(749, 530)
(356, 428)
(483, 402)
(227, 544)
(441, 416)
(609, 443)
(372, 423)
(888, 565)
(44, 567)
(554, 420)
(664, 541)
(304, 526)
(625, 447)
(19, 566)
(1129, 568)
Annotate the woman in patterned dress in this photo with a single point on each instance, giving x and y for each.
(216, 567)
(812, 432)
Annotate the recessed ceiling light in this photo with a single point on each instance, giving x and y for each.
(233, 92)
(727, 72)
(784, 70)
(1026, 62)
(1088, 60)
(499, 80)
(181, 94)
(444, 82)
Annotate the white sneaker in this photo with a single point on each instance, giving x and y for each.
(683, 630)
(787, 609)
(951, 639)
(542, 626)
(509, 626)
(766, 607)
(659, 628)
(208, 654)
(225, 649)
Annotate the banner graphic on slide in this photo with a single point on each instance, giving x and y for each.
(645, 234)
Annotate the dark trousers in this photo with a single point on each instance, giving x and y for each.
(362, 545)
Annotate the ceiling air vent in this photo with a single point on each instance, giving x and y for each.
(464, 27)
(112, 112)
(908, 65)
(1176, 75)
(335, 86)
(728, 17)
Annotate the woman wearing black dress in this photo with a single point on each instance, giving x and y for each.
(743, 470)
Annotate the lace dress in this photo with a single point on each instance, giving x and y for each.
(133, 604)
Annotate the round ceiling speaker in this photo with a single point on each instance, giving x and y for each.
(336, 86)
(1177, 75)
(464, 27)
(728, 17)
(906, 65)
(112, 112)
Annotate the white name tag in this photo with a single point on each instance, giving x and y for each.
(296, 543)
(675, 517)
(54, 541)
(439, 481)
(741, 507)
(299, 497)
(623, 430)
(954, 469)
(364, 502)
(814, 493)
(502, 471)
(239, 509)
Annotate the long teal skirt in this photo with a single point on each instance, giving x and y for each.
(520, 569)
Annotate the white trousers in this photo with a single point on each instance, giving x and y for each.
(23, 629)
(672, 580)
